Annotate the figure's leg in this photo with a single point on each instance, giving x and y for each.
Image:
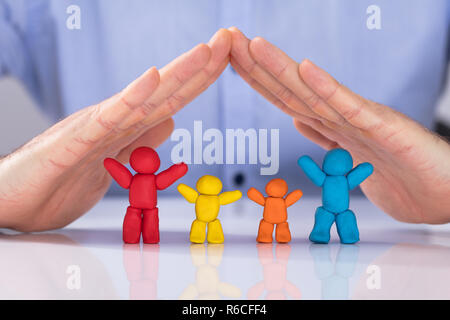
(215, 232)
(282, 233)
(323, 221)
(131, 232)
(347, 227)
(198, 231)
(150, 226)
(265, 232)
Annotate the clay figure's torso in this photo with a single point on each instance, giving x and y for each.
(143, 191)
(275, 210)
(207, 207)
(335, 197)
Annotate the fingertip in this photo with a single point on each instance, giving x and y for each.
(221, 41)
(204, 51)
(313, 75)
(306, 67)
(263, 52)
(225, 32)
(235, 32)
(257, 43)
(154, 75)
(221, 33)
(199, 56)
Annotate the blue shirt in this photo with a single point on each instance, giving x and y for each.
(401, 65)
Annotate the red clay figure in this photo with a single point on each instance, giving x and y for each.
(275, 210)
(142, 214)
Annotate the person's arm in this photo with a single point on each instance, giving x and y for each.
(59, 175)
(312, 170)
(167, 177)
(257, 196)
(293, 197)
(187, 192)
(229, 197)
(118, 172)
(411, 181)
(359, 174)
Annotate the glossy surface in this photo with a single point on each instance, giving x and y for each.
(88, 259)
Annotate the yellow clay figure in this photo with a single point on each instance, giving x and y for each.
(207, 204)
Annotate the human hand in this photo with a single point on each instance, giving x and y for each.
(59, 175)
(411, 181)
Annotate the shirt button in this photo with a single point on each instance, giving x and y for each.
(239, 179)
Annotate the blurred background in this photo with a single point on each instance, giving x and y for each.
(376, 48)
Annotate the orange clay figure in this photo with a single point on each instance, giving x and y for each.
(275, 210)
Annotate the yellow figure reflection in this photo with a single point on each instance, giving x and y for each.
(207, 283)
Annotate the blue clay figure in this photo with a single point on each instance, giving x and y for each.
(336, 178)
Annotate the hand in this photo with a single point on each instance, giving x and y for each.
(59, 175)
(411, 181)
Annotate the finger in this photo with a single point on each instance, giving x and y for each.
(161, 114)
(152, 138)
(285, 70)
(172, 77)
(315, 136)
(355, 109)
(79, 133)
(107, 115)
(241, 55)
(262, 90)
(220, 45)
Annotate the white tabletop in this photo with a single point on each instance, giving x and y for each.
(88, 259)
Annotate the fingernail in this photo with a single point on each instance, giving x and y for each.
(310, 69)
(313, 67)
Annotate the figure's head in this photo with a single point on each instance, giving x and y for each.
(209, 185)
(144, 160)
(337, 162)
(276, 188)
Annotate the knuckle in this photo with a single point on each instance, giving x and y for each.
(147, 108)
(312, 100)
(352, 112)
(125, 102)
(174, 102)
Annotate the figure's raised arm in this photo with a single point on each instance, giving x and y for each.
(256, 195)
(165, 178)
(359, 174)
(119, 172)
(312, 170)
(293, 197)
(187, 192)
(229, 197)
